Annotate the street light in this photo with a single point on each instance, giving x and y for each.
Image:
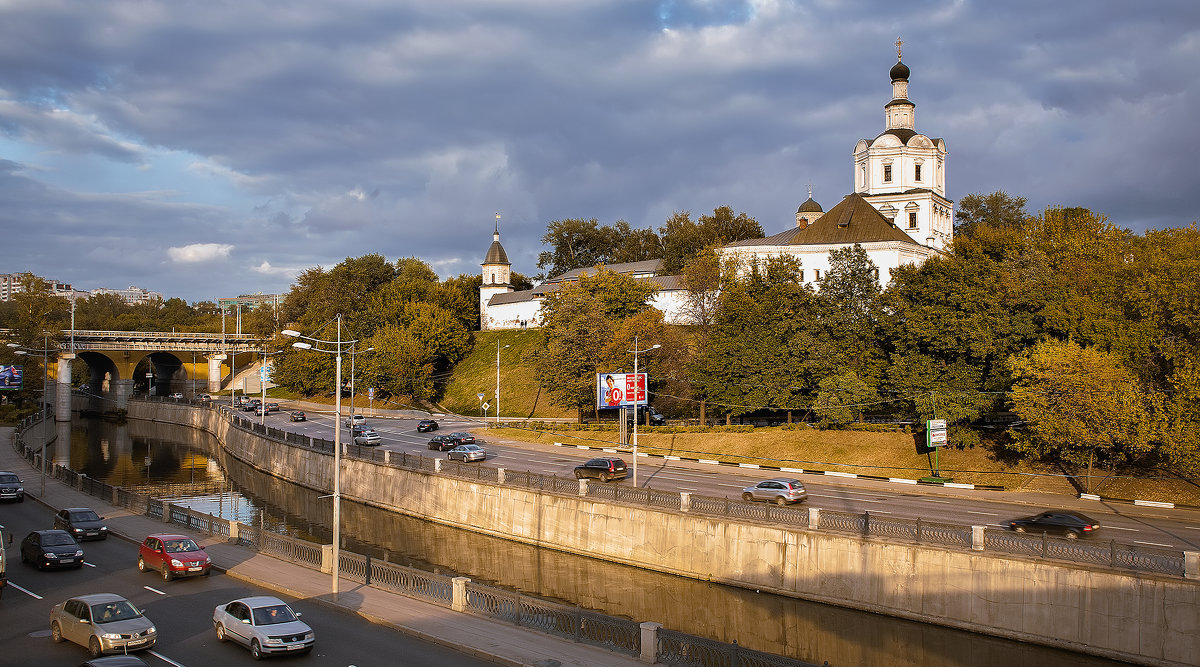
(337, 433)
(24, 351)
(498, 348)
(636, 378)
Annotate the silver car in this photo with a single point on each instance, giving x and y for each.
(367, 436)
(264, 624)
(781, 491)
(103, 622)
(467, 453)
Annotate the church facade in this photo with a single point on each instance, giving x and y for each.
(898, 213)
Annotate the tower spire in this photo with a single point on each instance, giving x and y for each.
(899, 43)
(497, 223)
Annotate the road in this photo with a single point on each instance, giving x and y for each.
(1177, 528)
(181, 610)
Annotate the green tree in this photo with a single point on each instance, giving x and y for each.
(576, 243)
(1080, 405)
(996, 210)
(683, 239)
(843, 398)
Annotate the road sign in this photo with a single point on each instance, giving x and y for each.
(937, 438)
(486, 406)
(264, 373)
(936, 424)
(935, 433)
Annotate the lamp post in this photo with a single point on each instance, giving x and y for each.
(498, 348)
(337, 433)
(24, 351)
(636, 402)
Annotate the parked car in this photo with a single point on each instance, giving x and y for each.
(426, 425)
(103, 622)
(467, 453)
(11, 487)
(299, 416)
(355, 420)
(442, 443)
(51, 548)
(82, 523)
(604, 469)
(173, 556)
(464, 438)
(781, 491)
(1059, 522)
(367, 436)
(264, 624)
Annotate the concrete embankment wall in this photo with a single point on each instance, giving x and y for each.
(1140, 618)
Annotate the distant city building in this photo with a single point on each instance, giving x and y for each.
(132, 296)
(251, 301)
(12, 284)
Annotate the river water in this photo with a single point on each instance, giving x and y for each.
(190, 466)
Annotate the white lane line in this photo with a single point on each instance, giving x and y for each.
(857, 500)
(88, 564)
(164, 658)
(733, 486)
(1192, 527)
(983, 513)
(1153, 544)
(1132, 530)
(153, 590)
(944, 502)
(29, 593)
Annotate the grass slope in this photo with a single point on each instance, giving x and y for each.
(476, 374)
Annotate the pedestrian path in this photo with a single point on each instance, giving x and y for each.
(484, 638)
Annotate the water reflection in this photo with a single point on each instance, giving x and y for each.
(189, 461)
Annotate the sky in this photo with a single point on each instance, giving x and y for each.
(207, 149)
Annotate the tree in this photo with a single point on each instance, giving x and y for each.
(842, 398)
(683, 239)
(996, 210)
(576, 243)
(1080, 406)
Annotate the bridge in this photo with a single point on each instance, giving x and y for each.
(174, 361)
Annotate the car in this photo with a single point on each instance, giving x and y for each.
(82, 523)
(273, 407)
(781, 491)
(264, 624)
(442, 443)
(205, 397)
(51, 548)
(426, 425)
(298, 416)
(466, 453)
(176, 395)
(464, 438)
(368, 437)
(103, 622)
(1060, 522)
(11, 487)
(604, 469)
(355, 420)
(262, 411)
(173, 556)
(249, 406)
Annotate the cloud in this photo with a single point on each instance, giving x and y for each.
(200, 252)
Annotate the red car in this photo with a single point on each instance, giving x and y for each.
(173, 556)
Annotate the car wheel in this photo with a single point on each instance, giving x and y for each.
(780, 500)
(578, 475)
(56, 632)
(604, 477)
(166, 573)
(94, 647)
(256, 650)
(1072, 535)
(1019, 529)
(221, 633)
(747, 497)
(142, 564)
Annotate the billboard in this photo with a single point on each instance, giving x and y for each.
(620, 390)
(10, 377)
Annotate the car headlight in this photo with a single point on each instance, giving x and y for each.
(79, 552)
(50, 555)
(176, 562)
(103, 527)
(273, 640)
(76, 530)
(207, 560)
(111, 635)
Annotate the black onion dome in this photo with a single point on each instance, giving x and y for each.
(496, 254)
(810, 206)
(899, 72)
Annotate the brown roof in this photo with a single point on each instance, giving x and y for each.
(496, 254)
(644, 266)
(853, 220)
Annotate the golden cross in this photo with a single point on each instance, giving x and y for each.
(899, 42)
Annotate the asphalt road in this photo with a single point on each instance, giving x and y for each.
(1177, 528)
(181, 610)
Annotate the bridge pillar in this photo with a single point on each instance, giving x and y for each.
(121, 391)
(62, 390)
(214, 372)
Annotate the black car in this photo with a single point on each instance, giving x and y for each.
(426, 425)
(464, 438)
(1060, 522)
(298, 416)
(51, 548)
(82, 523)
(603, 469)
(11, 487)
(442, 442)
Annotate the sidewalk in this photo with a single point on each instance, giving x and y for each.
(498, 642)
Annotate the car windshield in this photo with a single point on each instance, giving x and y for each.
(8, 479)
(57, 540)
(87, 515)
(107, 612)
(176, 546)
(278, 613)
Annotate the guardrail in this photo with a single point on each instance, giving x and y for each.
(649, 641)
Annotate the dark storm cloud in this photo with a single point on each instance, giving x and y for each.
(303, 133)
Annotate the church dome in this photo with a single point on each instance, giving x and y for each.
(810, 206)
(496, 254)
(899, 72)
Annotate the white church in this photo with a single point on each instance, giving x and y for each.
(898, 212)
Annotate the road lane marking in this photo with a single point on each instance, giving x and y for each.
(88, 564)
(153, 590)
(856, 500)
(1152, 544)
(983, 513)
(164, 658)
(29, 593)
(944, 502)
(1135, 530)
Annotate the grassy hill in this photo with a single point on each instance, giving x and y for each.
(476, 374)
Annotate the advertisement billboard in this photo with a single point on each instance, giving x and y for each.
(620, 390)
(10, 377)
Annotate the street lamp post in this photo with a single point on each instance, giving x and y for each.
(637, 402)
(498, 348)
(337, 434)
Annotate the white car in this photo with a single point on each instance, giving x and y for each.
(264, 624)
(355, 420)
(177, 395)
(466, 453)
(367, 436)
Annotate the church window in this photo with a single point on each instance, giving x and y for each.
(912, 220)
(887, 173)
(493, 277)
(917, 172)
(816, 274)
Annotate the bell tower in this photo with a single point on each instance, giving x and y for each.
(497, 274)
